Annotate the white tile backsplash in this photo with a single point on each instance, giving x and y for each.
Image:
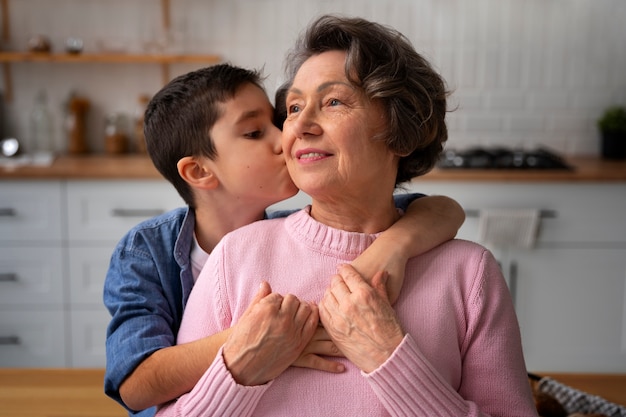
(522, 71)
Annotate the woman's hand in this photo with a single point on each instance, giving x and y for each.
(269, 337)
(360, 319)
(320, 344)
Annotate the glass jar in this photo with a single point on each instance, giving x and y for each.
(115, 138)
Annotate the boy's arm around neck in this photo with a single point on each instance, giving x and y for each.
(428, 222)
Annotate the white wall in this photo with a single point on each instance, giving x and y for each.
(525, 72)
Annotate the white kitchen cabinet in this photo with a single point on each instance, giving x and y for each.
(30, 211)
(32, 261)
(102, 211)
(571, 308)
(32, 338)
(570, 289)
(56, 240)
(99, 214)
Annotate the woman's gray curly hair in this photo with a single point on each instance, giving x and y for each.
(382, 62)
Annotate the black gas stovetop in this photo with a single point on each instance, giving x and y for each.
(502, 158)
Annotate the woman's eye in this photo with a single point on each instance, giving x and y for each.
(294, 108)
(334, 102)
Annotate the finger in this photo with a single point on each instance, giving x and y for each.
(323, 347)
(290, 305)
(313, 320)
(274, 299)
(338, 287)
(379, 283)
(317, 362)
(264, 291)
(302, 314)
(351, 277)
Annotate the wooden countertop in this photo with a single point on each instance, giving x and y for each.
(80, 392)
(586, 169)
(55, 393)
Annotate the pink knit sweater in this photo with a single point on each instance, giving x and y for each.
(461, 356)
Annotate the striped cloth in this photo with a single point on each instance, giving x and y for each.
(575, 401)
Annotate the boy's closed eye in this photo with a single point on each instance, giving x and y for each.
(254, 134)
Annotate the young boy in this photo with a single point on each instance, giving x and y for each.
(211, 133)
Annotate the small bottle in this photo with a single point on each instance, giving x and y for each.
(42, 131)
(75, 124)
(140, 140)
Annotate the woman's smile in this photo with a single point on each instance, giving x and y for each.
(311, 155)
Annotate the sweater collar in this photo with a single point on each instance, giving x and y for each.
(325, 239)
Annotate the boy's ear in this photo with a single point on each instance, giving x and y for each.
(196, 173)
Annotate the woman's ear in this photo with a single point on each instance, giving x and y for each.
(196, 173)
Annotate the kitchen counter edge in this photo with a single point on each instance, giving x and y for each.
(105, 167)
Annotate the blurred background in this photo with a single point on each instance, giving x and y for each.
(524, 73)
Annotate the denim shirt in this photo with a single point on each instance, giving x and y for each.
(145, 292)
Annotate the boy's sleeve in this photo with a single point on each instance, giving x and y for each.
(279, 213)
(404, 200)
(134, 332)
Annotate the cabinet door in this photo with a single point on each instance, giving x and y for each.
(31, 276)
(88, 337)
(30, 211)
(571, 304)
(88, 318)
(32, 339)
(103, 211)
(88, 268)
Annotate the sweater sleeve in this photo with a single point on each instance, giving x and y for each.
(494, 379)
(407, 385)
(216, 394)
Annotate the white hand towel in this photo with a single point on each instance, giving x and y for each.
(506, 228)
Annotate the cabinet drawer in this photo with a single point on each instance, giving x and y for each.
(88, 328)
(106, 210)
(30, 211)
(32, 339)
(88, 268)
(583, 213)
(31, 276)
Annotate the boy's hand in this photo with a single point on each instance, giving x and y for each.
(269, 337)
(383, 256)
(320, 345)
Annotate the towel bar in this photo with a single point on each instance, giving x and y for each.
(544, 214)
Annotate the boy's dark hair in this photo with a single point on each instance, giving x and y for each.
(280, 107)
(385, 66)
(179, 117)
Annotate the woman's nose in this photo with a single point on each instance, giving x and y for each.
(305, 123)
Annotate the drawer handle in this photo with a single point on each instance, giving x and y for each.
(7, 212)
(120, 212)
(8, 277)
(10, 340)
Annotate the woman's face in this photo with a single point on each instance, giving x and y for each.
(327, 136)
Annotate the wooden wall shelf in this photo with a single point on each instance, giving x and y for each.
(165, 60)
(122, 58)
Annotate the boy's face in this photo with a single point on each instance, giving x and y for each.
(250, 164)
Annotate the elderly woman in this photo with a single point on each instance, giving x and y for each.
(365, 112)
